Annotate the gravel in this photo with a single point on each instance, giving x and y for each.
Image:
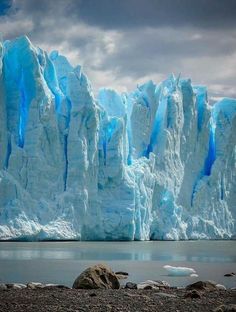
(122, 300)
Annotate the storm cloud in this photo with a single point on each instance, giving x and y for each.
(122, 43)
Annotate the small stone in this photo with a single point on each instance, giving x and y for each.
(34, 285)
(229, 274)
(120, 276)
(108, 307)
(60, 286)
(164, 283)
(16, 286)
(3, 287)
(193, 294)
(56, 286)
(226, 308)
(121, 273)
(131, 285)
(162, 294)
(154, 284)
(220, 287)
(148, 287)
(92, 295)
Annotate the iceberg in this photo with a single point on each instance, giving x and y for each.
(180, 271)
(158, 163)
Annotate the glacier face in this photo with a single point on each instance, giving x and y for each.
(157, 163)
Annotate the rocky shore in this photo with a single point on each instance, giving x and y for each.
(98, 289)
(56, 299)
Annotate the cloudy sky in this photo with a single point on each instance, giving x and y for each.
(122, 43)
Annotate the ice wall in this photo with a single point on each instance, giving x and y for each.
(157, 163)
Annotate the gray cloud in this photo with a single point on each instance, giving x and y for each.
(139, 51)
(118, 14)
(122, 14)
(121, 43)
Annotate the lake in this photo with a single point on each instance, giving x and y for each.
(62, 262)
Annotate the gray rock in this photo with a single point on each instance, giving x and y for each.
(131, 285)
(230, 274)
(153, 284)
(163, 284)
(98, 276)
(93, 294)
(193, 294)
(202, 286)
(220, 287)
(33, 285)
(121, 273)
(3, 286)
(56, 286)
(166, 295)
(16, 286)
(120, 276)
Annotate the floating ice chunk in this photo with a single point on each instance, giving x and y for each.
(179, 271)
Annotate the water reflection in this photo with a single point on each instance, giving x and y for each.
(209, 252)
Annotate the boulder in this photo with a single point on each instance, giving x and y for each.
(202, 286)
(98, 276)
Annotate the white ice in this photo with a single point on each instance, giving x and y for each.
(179, 271)
(158, 163)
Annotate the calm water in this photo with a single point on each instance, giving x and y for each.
(62, 262)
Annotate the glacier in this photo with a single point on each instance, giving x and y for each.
(158, 163)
